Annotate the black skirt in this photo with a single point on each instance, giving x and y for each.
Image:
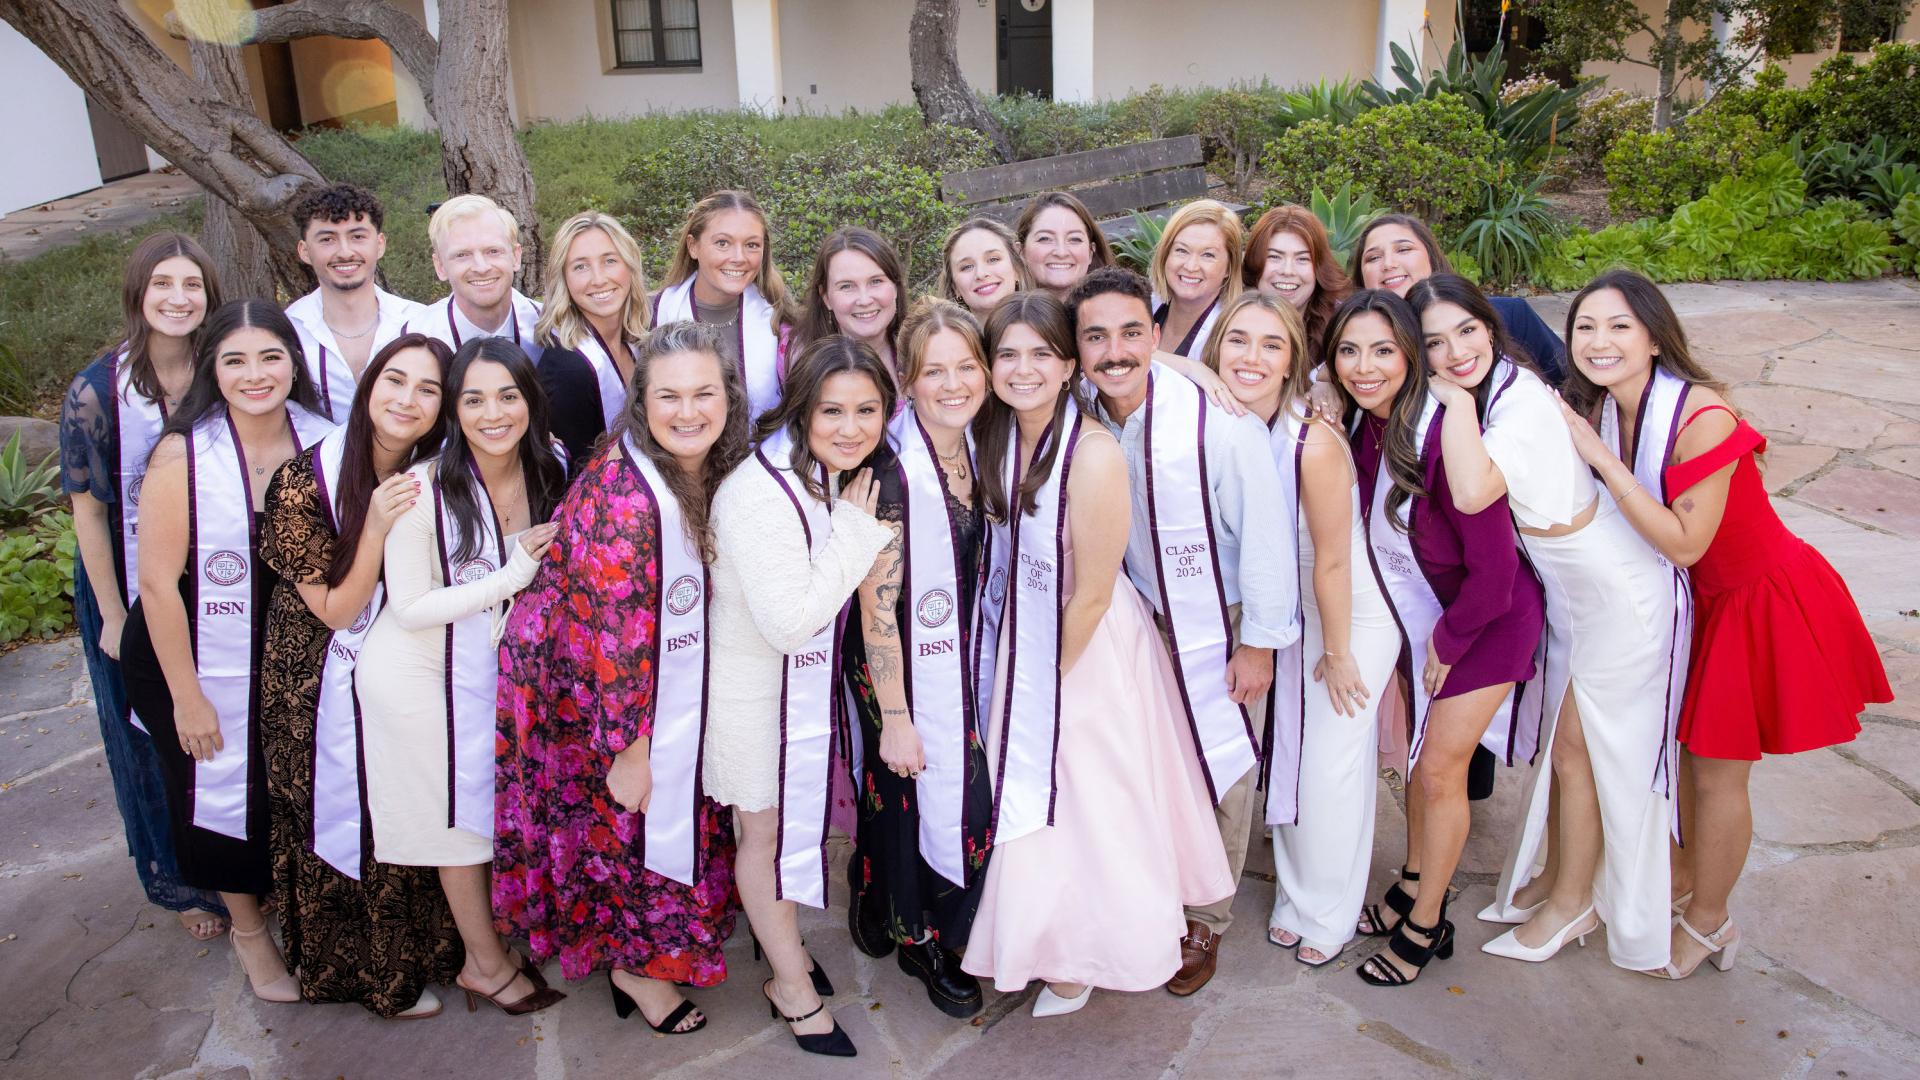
(208, 860)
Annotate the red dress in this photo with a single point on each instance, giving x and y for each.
(1781, 660)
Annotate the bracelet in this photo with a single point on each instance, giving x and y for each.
(1334, 655)
(1628, 493)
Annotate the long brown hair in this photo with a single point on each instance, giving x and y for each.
(354, 486)
(1435, 257)
(1102, 249)
(815, 320)
(1649, 305)
(543, 471)
(147, 256)
(994, 428)
(1330, 283)
(693, 493)
(203, 396)
(1400, 448)
(771, 285)
(823, 358)
(1465, 295)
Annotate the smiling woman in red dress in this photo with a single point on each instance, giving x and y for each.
(1781, 661)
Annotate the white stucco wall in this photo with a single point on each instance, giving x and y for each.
(44, 126)
(563, 64)
(1216, 42)
(840, 54)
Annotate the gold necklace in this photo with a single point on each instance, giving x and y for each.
(958, 462)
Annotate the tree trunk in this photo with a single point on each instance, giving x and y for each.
(939, 88)
(247, 263)
(1669, 68)
(232, 153)
(478, 148)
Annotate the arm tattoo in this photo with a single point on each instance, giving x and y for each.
(892, 713)
(883, 662)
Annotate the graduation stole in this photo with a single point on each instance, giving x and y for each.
(137, 425)
(472, 663)
(338, 829)
(759, 347)
(220, 609)
(1287, 701)
(936, 649)
(613, 389)
(670, 840)
(1196, 335)
(1024, 578)
(809, 709)
(1193, 598)
(1648, 448)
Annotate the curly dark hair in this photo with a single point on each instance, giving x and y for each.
(1107, 279)
(337, 202)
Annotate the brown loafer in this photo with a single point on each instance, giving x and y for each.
(1199, 954)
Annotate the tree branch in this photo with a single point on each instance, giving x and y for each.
(360, 20)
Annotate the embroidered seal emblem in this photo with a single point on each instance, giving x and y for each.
(997, 587)
(226, 568)
(934, 609)
(683, 594)
(472, 570)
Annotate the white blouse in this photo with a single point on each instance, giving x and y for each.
(1547, 483)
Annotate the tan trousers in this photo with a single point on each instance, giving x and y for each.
(1234, 815)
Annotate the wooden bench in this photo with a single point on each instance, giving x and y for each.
(1146, 176)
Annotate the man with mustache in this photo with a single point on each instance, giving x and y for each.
(1210, 548)
(476, 251)
(347, 318)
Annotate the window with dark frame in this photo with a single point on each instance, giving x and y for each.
(656, 33)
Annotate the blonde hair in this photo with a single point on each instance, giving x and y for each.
(460, 208)
(929, 317)
(945, 286)
(1299, 374)
(771, 285)
(560, 319)
(1200, 212)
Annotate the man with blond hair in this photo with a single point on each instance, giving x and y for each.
(476, 251)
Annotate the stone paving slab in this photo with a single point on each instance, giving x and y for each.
(119, 205)
(99, 984)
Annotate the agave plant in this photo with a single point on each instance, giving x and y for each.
(1136, 248)
(26, 489)
(1334, 102)
(1889, 185)
(1344, 217)
(1842, 168)
(1524, 124)
(1515, 231)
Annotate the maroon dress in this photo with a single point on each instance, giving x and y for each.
(576, 687)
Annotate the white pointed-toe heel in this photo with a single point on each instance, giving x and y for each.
(1500, 912)
(1509, 946)
(1052, 1004)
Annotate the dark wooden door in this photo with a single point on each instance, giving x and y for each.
(1026, 47)
(120, 151)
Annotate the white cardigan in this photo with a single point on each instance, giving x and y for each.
(769, 597)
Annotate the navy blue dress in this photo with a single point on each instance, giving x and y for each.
(90, 464)
(1532, 333)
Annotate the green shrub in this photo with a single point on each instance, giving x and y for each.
(1430, 158)
(661, 185)
(1145, 115)
(1652, 173)
(1906, 219)
(1849, 101)
(36, 578)
(816, 194)
(1515, 230)
(1235, 125)
(1604, 117)
(1525, 121)
(1041, 127)
(1843, 169)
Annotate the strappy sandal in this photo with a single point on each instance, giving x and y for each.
(1379, 971)
(540, 997)
(624, 1006)
(281, 991)
(1398, 900)
(209, 924)
(1723, 948)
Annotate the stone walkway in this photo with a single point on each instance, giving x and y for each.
(117, 206)
(98, 984)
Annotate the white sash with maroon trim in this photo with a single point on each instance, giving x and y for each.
(436, 321)
(809, 712)
(1027, 552)
(331, 372)
(472, 667)
(1287, 701)
(1193, 599)
(670, 832)
(137, 425)
(1418, 611)
(936, 647)
(613, 389)
(1662, 405)
(221, 614)
(759, 346)
(339, 775)
(1196, 339)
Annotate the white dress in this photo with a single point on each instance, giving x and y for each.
(401, 683)
(1610, 609)
(768, 598)
(1321, 863)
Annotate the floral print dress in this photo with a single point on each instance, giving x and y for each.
(576, 687)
